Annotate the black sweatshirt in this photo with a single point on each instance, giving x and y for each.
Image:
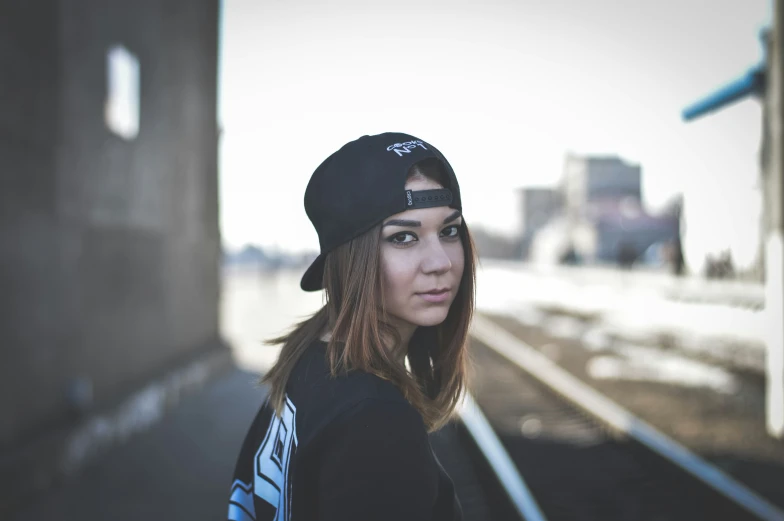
(350, 448)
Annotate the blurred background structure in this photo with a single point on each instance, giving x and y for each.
(152, 235)
(765, 81)
(597, 216)
(109, 231)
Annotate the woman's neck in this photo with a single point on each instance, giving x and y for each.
(404, 331)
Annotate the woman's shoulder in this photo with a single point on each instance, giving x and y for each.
(322, 399)
(311, 379)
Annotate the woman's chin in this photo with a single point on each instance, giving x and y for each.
(431, 317)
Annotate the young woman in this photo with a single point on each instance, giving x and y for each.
(343, 434)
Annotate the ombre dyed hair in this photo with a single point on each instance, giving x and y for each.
(435, 378)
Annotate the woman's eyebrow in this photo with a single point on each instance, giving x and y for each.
(403, 223)
(452, 217)
(416, 224)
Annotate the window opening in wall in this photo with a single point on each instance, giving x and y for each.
(121, 111)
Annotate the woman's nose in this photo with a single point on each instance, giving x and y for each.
(436, 258)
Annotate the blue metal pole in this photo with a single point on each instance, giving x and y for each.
(751, 83)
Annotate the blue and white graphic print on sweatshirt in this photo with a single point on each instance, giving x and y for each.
(349, 448)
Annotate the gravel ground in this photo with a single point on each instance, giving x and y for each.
(725, 429)
(575, 468)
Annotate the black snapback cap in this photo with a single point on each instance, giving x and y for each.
(363, 183)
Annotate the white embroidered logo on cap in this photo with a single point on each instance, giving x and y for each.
(405, 148)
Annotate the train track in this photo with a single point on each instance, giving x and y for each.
(559, 451)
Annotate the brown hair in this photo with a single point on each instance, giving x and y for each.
(354, 312)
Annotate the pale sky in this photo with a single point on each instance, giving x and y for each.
(504, 89)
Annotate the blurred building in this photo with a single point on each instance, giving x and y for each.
(591, 185)
(597, 215)
(538, 206)
(623, 235)
(109, 239)
(605, 212)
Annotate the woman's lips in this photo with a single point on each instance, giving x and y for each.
(435, 297)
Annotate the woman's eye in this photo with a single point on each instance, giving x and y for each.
(450, 231)
(402, 238)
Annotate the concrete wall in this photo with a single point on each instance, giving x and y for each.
(639, 235)
(613, 179)
(109, 248)
(538, 206)
(596, 181)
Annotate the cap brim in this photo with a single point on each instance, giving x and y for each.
(312, 280)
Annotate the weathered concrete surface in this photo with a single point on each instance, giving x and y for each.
(109, 247)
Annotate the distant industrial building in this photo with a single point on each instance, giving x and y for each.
(604, 202)
(624, 235)
(596, 215)
(538, 206)
(594, 184)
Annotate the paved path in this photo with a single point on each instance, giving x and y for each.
(178, 470)
(181, 468)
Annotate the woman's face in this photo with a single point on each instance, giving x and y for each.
(421, 262)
